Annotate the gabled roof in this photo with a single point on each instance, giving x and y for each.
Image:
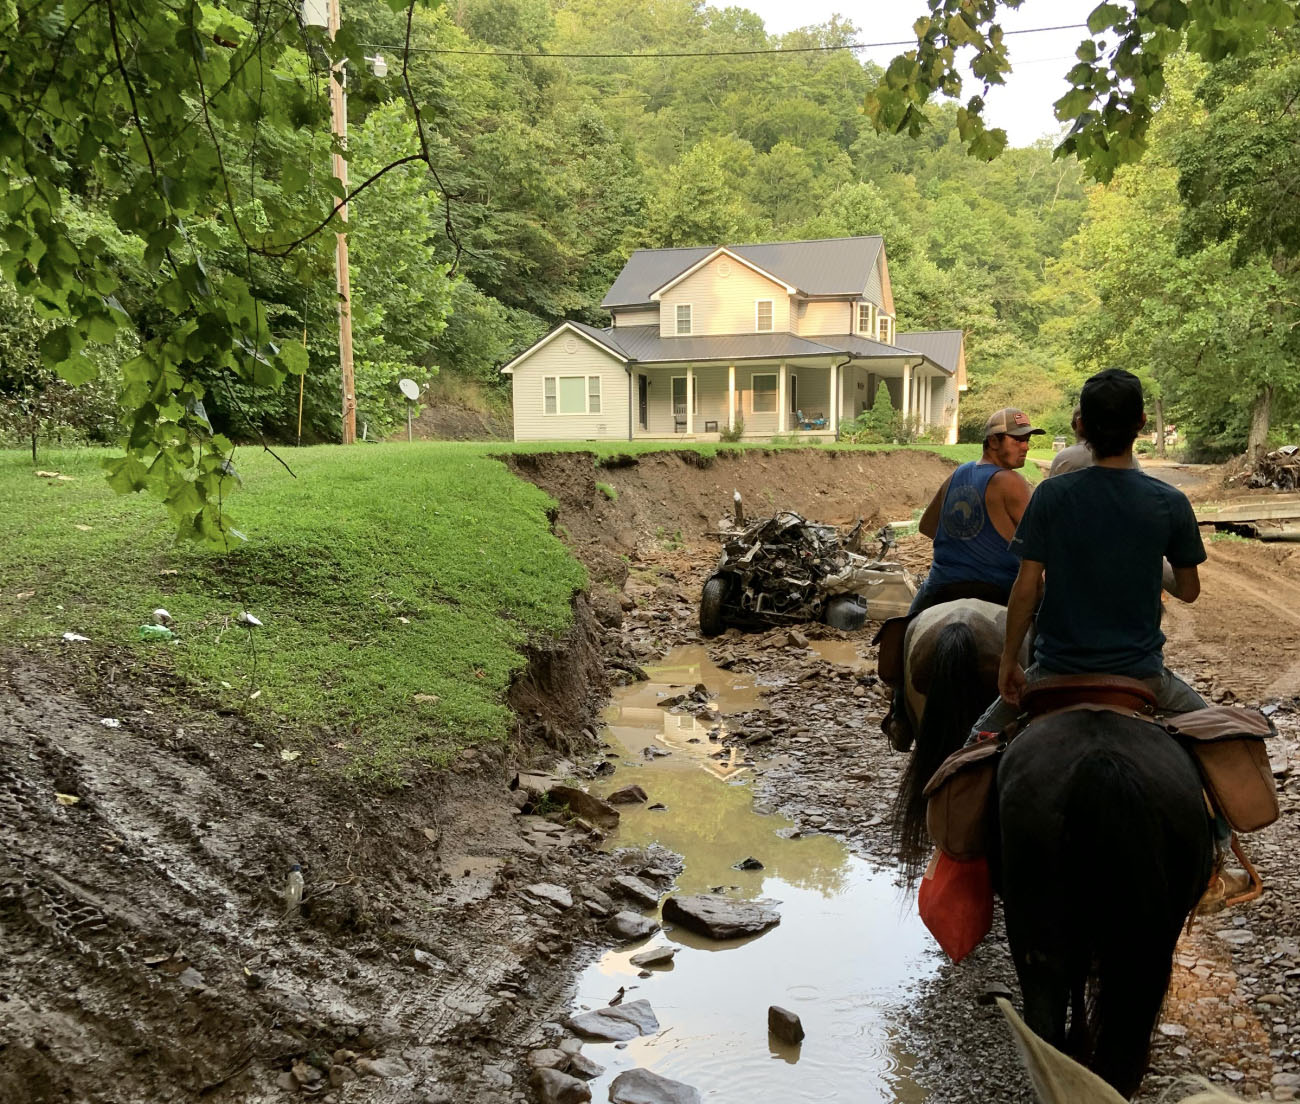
(944, 347)
(722, 251)
(581, 329)
(830, 266)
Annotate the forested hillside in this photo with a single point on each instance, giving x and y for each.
(550, 170)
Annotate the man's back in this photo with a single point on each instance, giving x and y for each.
(1102, 534)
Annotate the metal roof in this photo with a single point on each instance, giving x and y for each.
(830, 266)
(941, 346)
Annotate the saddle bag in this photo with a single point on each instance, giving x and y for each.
(958, 796)
(1228, 744)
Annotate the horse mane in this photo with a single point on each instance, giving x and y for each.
(956, 699)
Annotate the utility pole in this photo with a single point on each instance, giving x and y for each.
(339, 116)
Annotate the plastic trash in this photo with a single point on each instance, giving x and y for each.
(161, 617)
(248, 619)
(156, 632)
(293, 887)
(76, 638)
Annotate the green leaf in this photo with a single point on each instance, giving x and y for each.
(1107, 15)
(293, 358)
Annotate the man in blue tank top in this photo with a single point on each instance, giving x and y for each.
(971, 520)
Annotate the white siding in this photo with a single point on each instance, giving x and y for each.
(822, 317)
(570, 355)
(724, 304)
(635, 316)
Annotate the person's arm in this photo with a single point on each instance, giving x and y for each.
(1006, 497)
(1184, 553)
(929, 523)
(1184, 583)
(1020, 612)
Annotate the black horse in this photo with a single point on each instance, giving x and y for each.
(1106, 847)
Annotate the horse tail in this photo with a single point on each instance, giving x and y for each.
(956, 699)
(1123, 941)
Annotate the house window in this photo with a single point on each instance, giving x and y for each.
(571, 394)
(679, 396)
(764, 394)
(886, 329)
(683, 318)
(864, 318)
(763, 315)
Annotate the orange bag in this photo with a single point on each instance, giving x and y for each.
(956, 903)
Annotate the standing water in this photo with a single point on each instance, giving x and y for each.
(847, 953)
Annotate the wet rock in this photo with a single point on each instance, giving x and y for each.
(635, 889)
(650, 751)
(582, 1066)
(628, 795)
(630, 925)
(598, 902)
(655, 956)
(381, 1067)
(551, 894)
(720, 917)
(617, 1024)
(658, 807)
(785, 1025)
(588, 806)
(554, 1087)
(341, 1075)
(641, 1086)
(750, 863)
(548, 1058)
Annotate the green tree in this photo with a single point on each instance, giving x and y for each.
(697, 205)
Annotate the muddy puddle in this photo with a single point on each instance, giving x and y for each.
(847, 953)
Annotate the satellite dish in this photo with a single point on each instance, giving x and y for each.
(409, 388)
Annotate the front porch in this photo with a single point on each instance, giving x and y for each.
(807, 400)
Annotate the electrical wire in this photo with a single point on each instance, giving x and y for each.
(692, 53)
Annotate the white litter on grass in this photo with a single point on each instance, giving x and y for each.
(111, 722)
(247, 618)
(76, 638)
(161, 617)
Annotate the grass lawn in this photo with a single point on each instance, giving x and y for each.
(379, 574)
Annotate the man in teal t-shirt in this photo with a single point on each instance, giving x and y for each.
(1098, 539)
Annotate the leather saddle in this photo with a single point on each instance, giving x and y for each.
(1050, 695)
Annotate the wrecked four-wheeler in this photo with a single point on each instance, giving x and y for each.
(783, 570)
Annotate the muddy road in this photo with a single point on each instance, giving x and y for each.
(449, 929)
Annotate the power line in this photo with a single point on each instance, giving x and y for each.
(691, 53)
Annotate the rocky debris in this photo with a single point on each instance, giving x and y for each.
(628, 926)
(552, 894)
(655, 956)
(588, 806)
(554, 1087)
(635, 889)
(641, 1086)
(720, 917)
(381, 1067)
(784, 1025)
(750, 863)
(1279, 469)
(692, 700)
(548, 1058)
(597, 902)
(628, 795)
(616, 1024)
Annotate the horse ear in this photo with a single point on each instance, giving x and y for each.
(1057, 1079)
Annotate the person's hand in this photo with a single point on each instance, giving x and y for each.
(1011, 680)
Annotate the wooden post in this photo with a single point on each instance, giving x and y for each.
(781, 401)
(907, 390)
(690, 396)
(731, 398)
(339, 119)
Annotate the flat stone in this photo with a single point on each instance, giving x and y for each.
(628, 795)
(601, 813)
(785, 1025)
(617, 1024)
(382, 1067)
(548, 1058)
(552, 894)
(640, 1086)
(655, 956)
(720, 917)
(634, 888)
(582, 1066)
(554, 1087)
(630, 925)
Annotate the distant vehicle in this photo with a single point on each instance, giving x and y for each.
(1058, 443)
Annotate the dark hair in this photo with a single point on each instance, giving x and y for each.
(1110, 407)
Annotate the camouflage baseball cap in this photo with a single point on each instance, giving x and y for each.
(1013, 422)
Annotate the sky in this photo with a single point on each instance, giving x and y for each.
(1022, 107)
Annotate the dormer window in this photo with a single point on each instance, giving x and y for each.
(886, 329)
(683, 318)
(864, 319)
(763, 315)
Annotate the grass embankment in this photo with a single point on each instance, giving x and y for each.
(378, 574)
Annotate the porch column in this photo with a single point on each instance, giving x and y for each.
(731, 398)
(927, 407)
(830, 406)
(690, 400)
(781, 402)
(907, 389)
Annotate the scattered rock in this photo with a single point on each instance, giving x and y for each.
(554, 1087)
(796, 639)
(630, 925)
(785, 1025)
(635, 889)
(588, 806)
(720, 917)
(641, 1086)
(382, 1067)
(655, 956)
(617, 1024)
(548, 1058)
(582, 1066)
(750, 863)
(552, 894)
(628, 795)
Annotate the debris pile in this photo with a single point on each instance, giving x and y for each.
(784, 569)
(1279, 468)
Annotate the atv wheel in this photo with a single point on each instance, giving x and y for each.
(712, 622)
